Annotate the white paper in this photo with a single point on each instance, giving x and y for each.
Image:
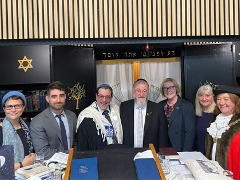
(59, 157)
(144, 154)
(181, 169)
(191, 155)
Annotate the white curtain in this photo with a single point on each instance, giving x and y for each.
(155, 72)
(119, 74)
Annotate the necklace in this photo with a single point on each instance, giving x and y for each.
(231, 124)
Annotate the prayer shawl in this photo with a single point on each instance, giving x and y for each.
(10, 137)
(100, 121)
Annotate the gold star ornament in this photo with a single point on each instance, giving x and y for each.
(25, 68)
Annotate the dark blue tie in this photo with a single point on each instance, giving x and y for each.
(63, 132)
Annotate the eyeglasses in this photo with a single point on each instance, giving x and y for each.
(170, 88)
(106, 97)
(144, 91)
(16, 106)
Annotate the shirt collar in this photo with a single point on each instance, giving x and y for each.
(100, 110)
(63, 113)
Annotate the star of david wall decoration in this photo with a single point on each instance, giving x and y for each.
(25, 68)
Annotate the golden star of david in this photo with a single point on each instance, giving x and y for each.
(25, 68)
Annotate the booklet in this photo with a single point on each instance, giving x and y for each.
(85, 168)
(33, 171)
(59, 157)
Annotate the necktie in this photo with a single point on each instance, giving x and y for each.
(115, 141)
(63, 133)
(140, 128)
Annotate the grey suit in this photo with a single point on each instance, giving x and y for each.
(46, 134)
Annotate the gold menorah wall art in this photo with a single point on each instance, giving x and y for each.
(117, 92)
(214, 86)
(154, 93)
(77, 92)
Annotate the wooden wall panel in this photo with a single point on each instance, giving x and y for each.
(49, 19)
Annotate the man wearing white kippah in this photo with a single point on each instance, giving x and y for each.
(99, 125)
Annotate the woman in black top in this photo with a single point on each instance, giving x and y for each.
(14, 130)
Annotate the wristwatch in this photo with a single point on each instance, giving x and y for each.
(20, 164)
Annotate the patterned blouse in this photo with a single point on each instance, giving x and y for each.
(168, 111)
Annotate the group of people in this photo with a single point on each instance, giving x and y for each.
(211, 128)
(218, 125)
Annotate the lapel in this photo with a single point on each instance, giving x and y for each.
(131, 119)
(52, 123)
(177, 109)
(147, 117)
(70, 124)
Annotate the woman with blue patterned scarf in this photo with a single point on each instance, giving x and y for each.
(15, 131)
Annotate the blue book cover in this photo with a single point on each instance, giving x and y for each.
(84, 169)
(2, 94)
(43, 100)
(38, 99)
(146, 169)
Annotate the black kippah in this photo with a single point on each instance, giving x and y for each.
(141, 80)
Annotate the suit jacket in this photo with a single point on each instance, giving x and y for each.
(181, 129)
(155, 128)
(88, 137)
(46, 134)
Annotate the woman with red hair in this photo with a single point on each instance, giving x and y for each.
(223, 133)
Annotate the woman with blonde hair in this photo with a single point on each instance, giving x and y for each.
(180, 115)
(204, 104)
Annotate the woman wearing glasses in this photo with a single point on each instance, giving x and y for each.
(14, 130)
(180, 116)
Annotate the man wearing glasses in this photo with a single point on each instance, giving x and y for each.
(99, 125)
(143, 121)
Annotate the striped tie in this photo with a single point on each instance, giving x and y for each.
(115, 141)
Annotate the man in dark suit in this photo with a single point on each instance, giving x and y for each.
(54, 129)
(143, 121)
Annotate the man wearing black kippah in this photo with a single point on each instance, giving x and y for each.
(99, 125)
(143, 121)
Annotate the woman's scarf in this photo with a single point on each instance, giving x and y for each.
(10, 137)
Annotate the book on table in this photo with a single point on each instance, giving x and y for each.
(146, 169)
(33, 172)
(85, 168)
(169, 153)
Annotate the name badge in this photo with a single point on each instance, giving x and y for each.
(109, 131)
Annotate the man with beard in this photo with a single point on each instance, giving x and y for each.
(53, 130)
(99, 125)
(143, 121)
